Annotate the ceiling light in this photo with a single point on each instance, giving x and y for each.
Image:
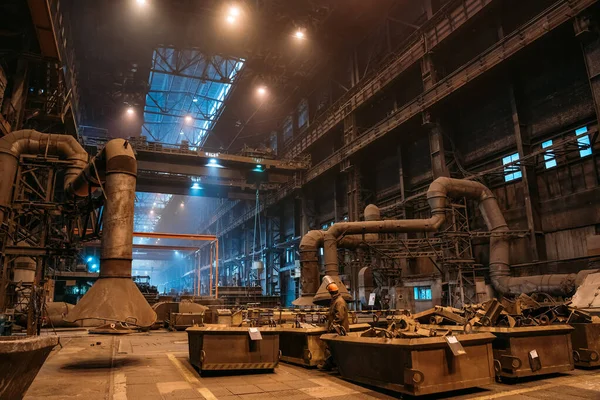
(130, 111)
(188, 119)
(212, 161)
(141, 2)
(151, 211)
(234, 11)
(154, 204)
(261, 90)
(196, 186)
(230, 19)
(181, 133)
(195, 100)
(299, 34)
(89, 259)
(181, 205)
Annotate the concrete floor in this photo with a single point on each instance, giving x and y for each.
(155, 366)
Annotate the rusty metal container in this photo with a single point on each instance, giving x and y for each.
(228, 348)
(586, 344)
(303, 346)
(531, 350)
(20, 361)
(414, 366)
(181, 321)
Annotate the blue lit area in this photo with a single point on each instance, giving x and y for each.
(549, 159)
(511, 172)
(92, 264)
(583, 140)
(187, 92)
(148, 212)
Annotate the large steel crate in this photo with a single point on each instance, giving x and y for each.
(303, 346)
(532, 350)
(414, 366)
(586, 344)
(228, 348)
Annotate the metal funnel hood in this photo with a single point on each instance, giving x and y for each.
(114, 296)
(114, 299)
(323, 298)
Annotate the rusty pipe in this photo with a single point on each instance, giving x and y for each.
(29, 141)
(437, 197)
(114, 296)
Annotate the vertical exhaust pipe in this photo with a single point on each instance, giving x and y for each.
(114, 296)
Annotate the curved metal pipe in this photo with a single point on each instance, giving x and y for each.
(437, 197)
(29, 141)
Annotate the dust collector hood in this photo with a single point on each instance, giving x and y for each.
(114, 296)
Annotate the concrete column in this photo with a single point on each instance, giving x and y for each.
(585, 31)
(530, 188)
(436, 138)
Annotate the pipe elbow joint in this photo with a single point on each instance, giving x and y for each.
(120, 158)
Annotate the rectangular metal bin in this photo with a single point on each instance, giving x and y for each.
(531, 350)
(303, 346)
(586, 344)
(228, 348)
(414, 366)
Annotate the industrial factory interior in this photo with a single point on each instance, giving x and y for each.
(299, 199)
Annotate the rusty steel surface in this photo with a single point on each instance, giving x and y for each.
(303, 346)
(515, 350)
(414, 366)
(223, 348)
(586, 344)
(20, 361)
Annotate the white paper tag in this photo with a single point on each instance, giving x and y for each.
(372, 299)
(533, 354)
(452, 339)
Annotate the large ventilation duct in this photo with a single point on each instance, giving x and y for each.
(17, 143)
(437, 195)
(309, 258)
(114, 296)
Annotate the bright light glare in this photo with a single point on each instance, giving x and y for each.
(299, 34)
(151, 211)
(230, 19)
(234, 11)
(130, 111)
(195, 100)
(188, 118)
(89, 259)
(141, 2)
(212, 161)
(261, 91)
(94, 266)
(181, 205)
(181, 133)
(196, 186)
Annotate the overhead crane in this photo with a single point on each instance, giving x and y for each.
(185, 170)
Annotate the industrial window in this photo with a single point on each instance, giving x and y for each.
(303, 113)
(511, 172)
(549, 158)
(422, 293)
(289, 256)
(585, 149)
(288, 128)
